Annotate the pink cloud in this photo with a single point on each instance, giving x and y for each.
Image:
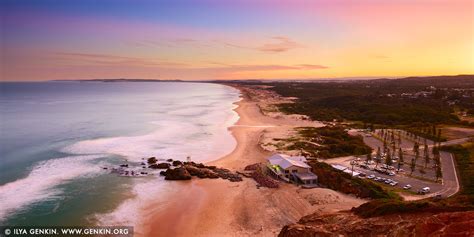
(104, 59)
(279, 44)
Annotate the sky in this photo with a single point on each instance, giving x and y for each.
(247, 39)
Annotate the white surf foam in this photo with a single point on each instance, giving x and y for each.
(40, 182)
(206, 138)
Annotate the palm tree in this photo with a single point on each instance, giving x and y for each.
(416, 147)
(388, 160)
(368, 158)
(427, 159)
(412, 165)
(439, 174)
(400, 158)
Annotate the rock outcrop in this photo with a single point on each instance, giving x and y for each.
(179, 173)
(349, 224)
(201, 171)
(177, 162)
(159, 166)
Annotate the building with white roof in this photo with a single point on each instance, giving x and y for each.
(292, 168)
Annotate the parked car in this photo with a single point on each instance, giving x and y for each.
(391, 173)
(394, 183)
(406, 187)
(377, 179)
(438, 197)
(371, 176)
(379, 170)
(424, 190)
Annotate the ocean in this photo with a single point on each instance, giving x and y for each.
(56, 137)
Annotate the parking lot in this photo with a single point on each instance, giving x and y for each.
(400, 178)
(448, 186)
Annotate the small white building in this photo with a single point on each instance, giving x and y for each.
(292, 168)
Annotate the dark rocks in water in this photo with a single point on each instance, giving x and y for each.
(143, 163)
(159, 166)
(169, 160)
(177, 163)
(152, 160)
(179, 173)
(124, 165)
(163, 173)
(104, 168)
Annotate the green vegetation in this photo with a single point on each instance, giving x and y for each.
(428, 131)
(327, 142)
(385, 102)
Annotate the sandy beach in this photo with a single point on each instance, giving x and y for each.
(204, 207)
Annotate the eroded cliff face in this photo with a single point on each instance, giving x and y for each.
(349, 224)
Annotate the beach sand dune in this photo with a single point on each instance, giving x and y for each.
(204, 207)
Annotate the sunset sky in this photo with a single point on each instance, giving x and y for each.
(45, 39)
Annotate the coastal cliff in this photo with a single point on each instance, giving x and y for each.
(349, 224)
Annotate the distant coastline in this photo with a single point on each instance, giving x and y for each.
(309, 80)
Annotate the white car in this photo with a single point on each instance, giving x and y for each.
(394, 183)
(425, 190)
(371, 176)
(406, 187)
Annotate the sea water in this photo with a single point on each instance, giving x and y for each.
(55, 137)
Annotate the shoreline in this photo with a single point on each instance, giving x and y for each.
(203, 207)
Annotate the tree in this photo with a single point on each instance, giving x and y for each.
(377, 162)
(400, 155)
(434, 150)
(388, 159)
(412, 165)
(439, 173)
(378, 157)
(427, 158)
(368, 158)
(416, 147)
